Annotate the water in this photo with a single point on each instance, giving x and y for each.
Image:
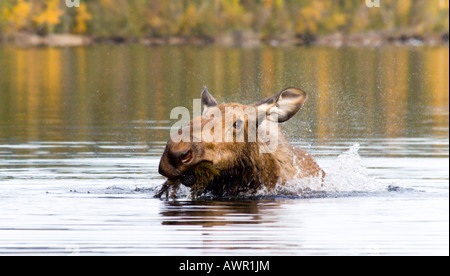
(82, 131)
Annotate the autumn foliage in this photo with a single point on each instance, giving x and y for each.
(212, 18)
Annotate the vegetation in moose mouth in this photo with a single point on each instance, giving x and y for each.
(198, 178)
(206, 179)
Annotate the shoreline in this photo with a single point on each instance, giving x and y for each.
(25, 40)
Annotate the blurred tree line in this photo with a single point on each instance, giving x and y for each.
(266, 19)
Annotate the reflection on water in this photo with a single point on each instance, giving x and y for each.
(96, 93)
(215, 213)
(82, 131)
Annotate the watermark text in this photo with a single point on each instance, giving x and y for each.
(373, 3)
(73, 3)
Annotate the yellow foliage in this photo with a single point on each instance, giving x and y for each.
(81, 18)
(233, 10)
(212, 18)
(336, 20)
(403, 7)
(279, 4)
(18, 16)
(50, 16)
(309, 17)
(155, 21)
(187, 20)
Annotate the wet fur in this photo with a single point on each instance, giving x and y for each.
(230, 169)
(249, 170)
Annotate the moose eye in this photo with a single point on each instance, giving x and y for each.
(238, 124)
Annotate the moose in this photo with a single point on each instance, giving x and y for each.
(243, 158)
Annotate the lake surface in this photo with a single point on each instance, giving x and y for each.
(82, 131)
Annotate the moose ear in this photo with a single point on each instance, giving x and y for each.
(283, 105)
(208, 100)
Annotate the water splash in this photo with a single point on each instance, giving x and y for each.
(347, 174)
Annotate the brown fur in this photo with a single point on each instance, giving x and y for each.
(231, 168)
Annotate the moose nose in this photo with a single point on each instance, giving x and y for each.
(175, 159)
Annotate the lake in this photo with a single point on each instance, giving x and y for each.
(82, 131)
